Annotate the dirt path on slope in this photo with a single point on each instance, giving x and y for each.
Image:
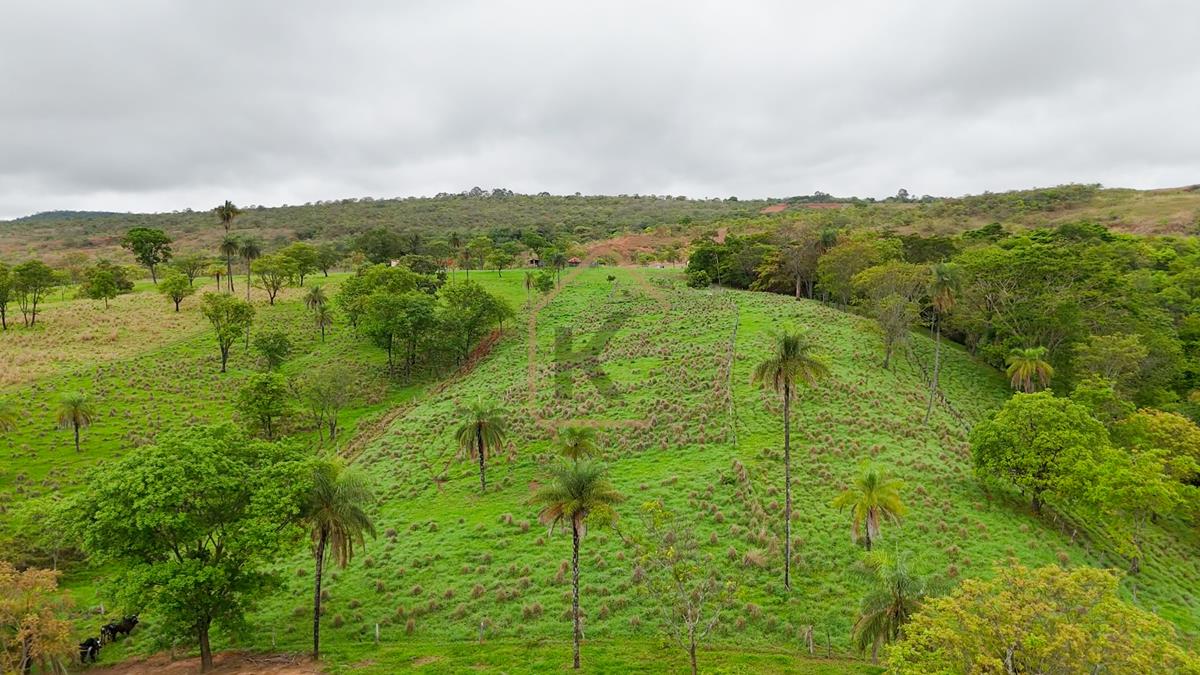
(224, 663)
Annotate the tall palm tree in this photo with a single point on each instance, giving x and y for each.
(896, 594)
(482, 432)
(230, 246)
(577, 442)
(943, 291)
(1028, 369)
(456, 244)
(227, 212)
(75, 412)
(579, 493)
(793, 362)
(8, 416)
(335, 514)
(874, 498)
(250, 251)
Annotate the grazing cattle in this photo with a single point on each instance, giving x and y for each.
(89, 650)
(109, 632)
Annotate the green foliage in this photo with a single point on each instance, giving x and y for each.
(190, 265)
(1035, 442)
(1038, 620)
(303, 258)
(274, 272)
(230, 319)
(577, 442)
(1175, 434)
(177, 287)
(213, 509)
(698, 278)
(75, 412)
(149, 246)
(263, 401)
(33, 624)
(31, 281)
(1027, 370)
(873, 499)
(481, 434)
(273, 347)
(896, 592)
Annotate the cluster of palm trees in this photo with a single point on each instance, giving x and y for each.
(317, 302)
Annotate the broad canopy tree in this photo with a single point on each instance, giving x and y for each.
(150, 247)
(193, 524)
(230, 318)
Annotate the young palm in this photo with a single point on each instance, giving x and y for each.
(874, 498)
(250, 251)
(230, 246)
(896, 594)
(315, 297)
(335, 513)
(577, 442)
(482, 432)
(75, 412)
(323, 318)
(8, 417)
(792, 363)
(943, 291)
(1028, 369)
(578, 494)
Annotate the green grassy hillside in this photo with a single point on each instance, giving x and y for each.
(453, 566)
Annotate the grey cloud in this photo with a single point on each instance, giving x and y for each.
(155, 106)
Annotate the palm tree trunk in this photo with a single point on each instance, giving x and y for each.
(575, 588)
(247, 281)
(479, 447)
(229, 273)
(320, 555)
(76, 436)
(787, 486)
(937, 365)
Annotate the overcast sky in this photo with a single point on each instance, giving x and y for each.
(156, 106)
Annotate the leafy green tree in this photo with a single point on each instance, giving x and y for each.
(1172, 432)
(1102, 399)
(149, 246)
(481, 434)
(230, 318)
(191, 265)
(273, 347)
(683, 583)
(226, 213)
(31, 281)
(176, 287)
(1130, 489)
(249, 250)
(873, 499)
(6, 291)
(327, 258)
(75, 412)
(324, 394)
(896, 592)
(499, 260)
(1044, 620)
(577, 442)
(274, 272)
(263, 401)
(579, 494)
(214, 510)
(1028, 371)
(479, 248)
(543, 281)
(944, 287)
(230, 246)
(303, 257)
(1035, 442)
(837, 268)
(335, 514)
(473, 311)
(101, 284)
(793, 362)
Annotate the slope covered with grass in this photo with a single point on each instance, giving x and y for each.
(453, 567)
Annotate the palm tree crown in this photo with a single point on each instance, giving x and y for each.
(578, 493)
(75, 412)
(227, 212)
(1028, 370)
(793, 361)
(482, 431)
(896, 594)
(315, 297)
(874, 498)
(944, 287)
(577, 442)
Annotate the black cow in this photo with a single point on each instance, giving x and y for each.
(109, 632)
(89, 650)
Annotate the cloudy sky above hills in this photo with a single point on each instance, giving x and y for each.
(141, 106)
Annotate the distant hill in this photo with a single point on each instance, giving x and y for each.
(62, 215)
